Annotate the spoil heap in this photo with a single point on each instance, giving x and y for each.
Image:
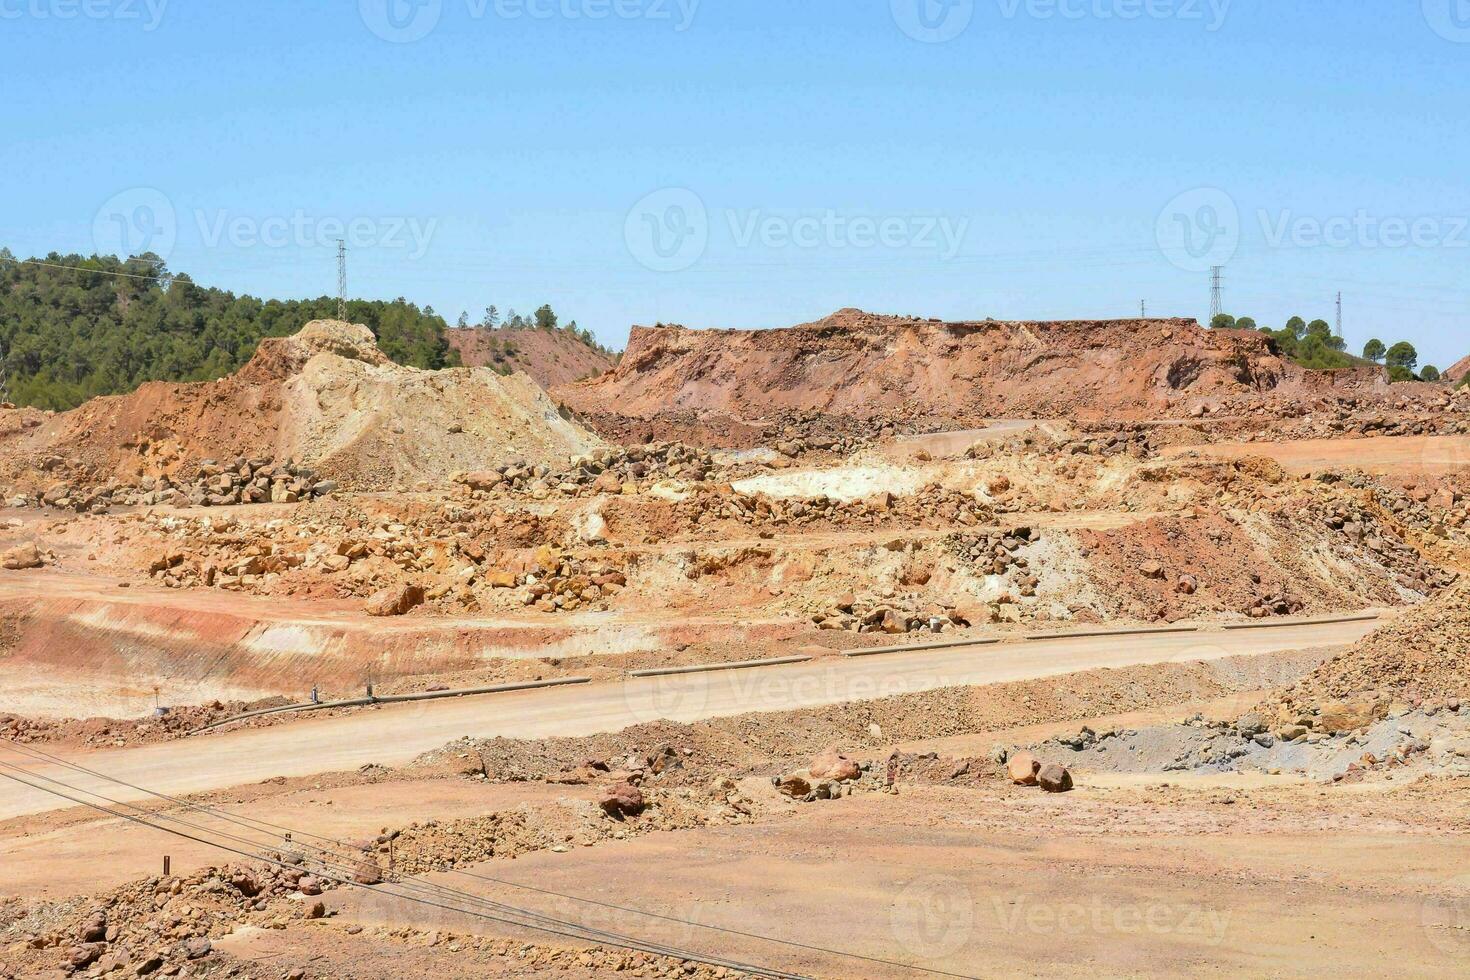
(860, 364)
(550, 357)
(326, 398)
(1421, 655)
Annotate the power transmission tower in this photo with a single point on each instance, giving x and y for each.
(341, 279)
(1216, 307)
(1339, 313)
(1143, 309)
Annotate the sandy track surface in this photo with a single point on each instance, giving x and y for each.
(1001, 883)
(395, 735)
(1377, 454)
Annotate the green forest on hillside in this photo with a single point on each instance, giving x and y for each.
(75, 326)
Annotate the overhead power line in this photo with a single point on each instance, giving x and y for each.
(256, 825)
(539, 922)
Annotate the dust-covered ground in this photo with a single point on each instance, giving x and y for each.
(1170, 789)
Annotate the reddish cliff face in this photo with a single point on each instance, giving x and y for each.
(862, 364)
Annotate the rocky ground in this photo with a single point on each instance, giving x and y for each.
(221, 548)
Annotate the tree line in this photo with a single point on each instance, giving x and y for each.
(1314, 345)
(79, 326)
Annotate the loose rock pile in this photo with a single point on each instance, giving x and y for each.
(930, 503)
(564, 583)
(895, 615)
(159, 925)
(830, 776)
(606, 471)
(240, 481)
(998, 553)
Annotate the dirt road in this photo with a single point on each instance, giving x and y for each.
(1377, 454)
(395, 735)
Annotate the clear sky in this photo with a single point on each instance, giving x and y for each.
(763, 162)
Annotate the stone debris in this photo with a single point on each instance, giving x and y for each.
(22, 556)
(613, 470)
(213, 484)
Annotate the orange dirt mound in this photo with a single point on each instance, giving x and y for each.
(326, 397)
(550, 357)
(861, 364)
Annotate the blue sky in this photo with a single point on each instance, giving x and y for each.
(762, 163)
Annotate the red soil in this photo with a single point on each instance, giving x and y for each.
(861, 364)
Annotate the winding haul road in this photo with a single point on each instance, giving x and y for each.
(393, 735)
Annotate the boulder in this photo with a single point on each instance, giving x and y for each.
(797, 785)
(1022, 768)
(832, 764)
(1054, 778)
(621, 799)
(395, 600)
(482, 480)
(1351, 715)
(25, 555)
(367, 872)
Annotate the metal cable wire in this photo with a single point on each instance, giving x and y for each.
(566, 930)
(589, 933)
(264, 826)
